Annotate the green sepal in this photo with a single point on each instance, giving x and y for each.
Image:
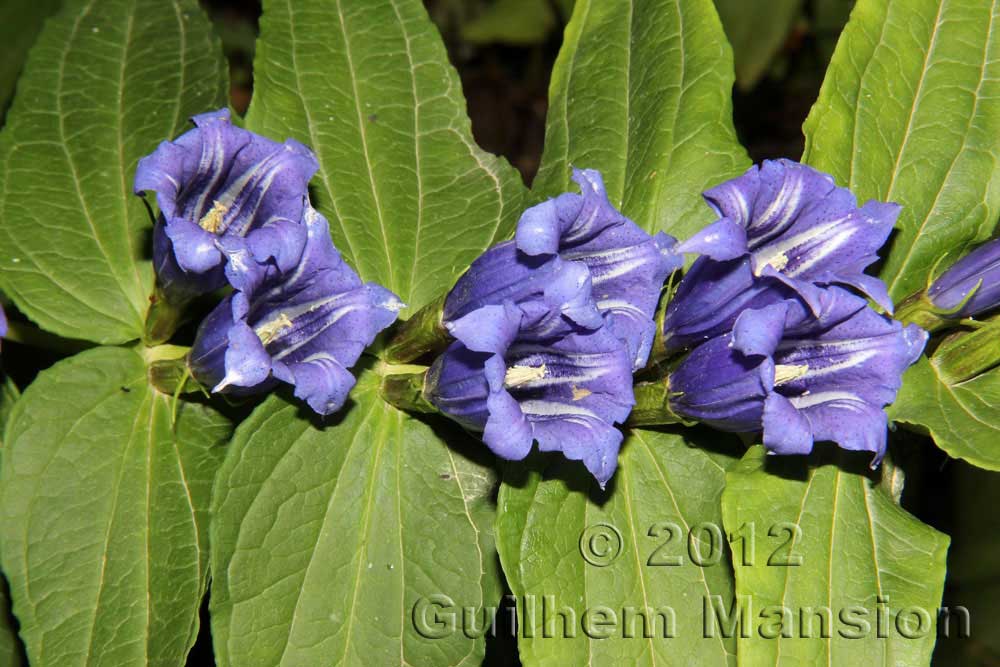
(652, 405)
(403, 387)
(964, 355)
(422, 334)
(162, 319)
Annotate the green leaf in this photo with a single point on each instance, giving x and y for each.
(327, 539)
(105, 83)
(642, 92)
(910, 112)
(564, 544)
(860, 555)
(366, 83)
(11, 649)
(756, 34)
(962, 418)
(8, 397)
(20, 22)
(104, 514)
(522, 22)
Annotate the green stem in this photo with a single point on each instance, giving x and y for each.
(421, 334)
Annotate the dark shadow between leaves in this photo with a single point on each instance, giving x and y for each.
(797, 467)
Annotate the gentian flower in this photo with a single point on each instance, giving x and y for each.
(784, 229)
(567, 392)
(218, 182)
(555, 292)
(801, 378)
(971, 286)
(627, 265)
(305, 327)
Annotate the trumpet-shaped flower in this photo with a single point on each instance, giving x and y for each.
(220, 182)
(566, 392)
(784, 229)
(305, 327)
(627, 265)
(801, 377)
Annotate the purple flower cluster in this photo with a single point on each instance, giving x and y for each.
(779, 340)
(234, 210)
(549, 327)
(769, 331)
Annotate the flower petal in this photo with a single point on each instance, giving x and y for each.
(786, 430)
(322, 382)
(722, 240)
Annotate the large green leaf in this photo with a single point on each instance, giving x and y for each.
(962, 418)
(366, 83)
(104, 514)
(859, 555)
(910, 112)
(11, 649)
(20, 22)
(105, 83)
(642, 92)
(756, 35)
(626, 552)
(331, 541)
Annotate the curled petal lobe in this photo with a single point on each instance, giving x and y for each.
(305, 327)
(786, 430)
(722, 240)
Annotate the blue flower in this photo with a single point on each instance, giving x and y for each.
(784, 230)
(627, 265)
(506, 378)
(219, 182)
(971, 286)
(306, 326)
(556, 293)
(801, 376)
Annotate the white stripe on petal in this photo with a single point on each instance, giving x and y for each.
(786, 202)
(553, 409)
(852, 360)
(809, 400)
(777, 255)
